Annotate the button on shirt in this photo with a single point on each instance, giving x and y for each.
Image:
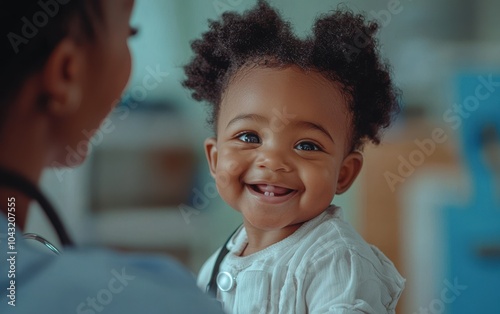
(89, 281)
(323, 267)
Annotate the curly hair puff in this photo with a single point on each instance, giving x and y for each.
(342, 48)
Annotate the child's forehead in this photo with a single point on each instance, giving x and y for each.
(291, 94)
(285, 83)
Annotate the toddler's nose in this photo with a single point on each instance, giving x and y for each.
(274, 159)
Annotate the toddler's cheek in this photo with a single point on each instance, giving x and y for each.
(223, 181)
(228, 171)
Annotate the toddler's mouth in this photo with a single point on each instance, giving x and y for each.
(270, 190)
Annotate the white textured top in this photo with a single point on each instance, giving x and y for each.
(323, 267)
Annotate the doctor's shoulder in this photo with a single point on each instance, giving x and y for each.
(152, 284)
(88, 281)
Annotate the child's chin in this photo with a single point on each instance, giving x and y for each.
(261, 223)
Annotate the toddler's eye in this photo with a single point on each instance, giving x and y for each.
(249, 138)
(307, 146)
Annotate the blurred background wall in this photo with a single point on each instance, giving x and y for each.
(146, 185)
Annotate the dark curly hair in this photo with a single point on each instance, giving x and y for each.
(23, 55)
(342, 48)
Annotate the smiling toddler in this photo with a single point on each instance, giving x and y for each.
(291, 117)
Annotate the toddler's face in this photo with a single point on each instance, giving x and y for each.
(281, 151)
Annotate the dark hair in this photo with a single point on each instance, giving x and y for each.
(30, 30)
(342, 48)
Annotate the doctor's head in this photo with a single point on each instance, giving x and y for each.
(64, 66)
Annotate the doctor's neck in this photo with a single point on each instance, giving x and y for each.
(25, 148)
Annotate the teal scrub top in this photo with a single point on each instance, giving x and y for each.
(88, 281)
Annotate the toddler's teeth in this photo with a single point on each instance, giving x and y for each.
(271, 193)
(266, 193)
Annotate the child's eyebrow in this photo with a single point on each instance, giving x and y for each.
(314, 126)
(249, 116)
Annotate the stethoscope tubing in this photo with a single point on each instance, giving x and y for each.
(17, 182)
(212, 283)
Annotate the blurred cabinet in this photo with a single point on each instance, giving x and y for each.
(143, 169)
(388, 171)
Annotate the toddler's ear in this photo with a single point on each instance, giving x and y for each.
(349, 170)
(211, 153)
